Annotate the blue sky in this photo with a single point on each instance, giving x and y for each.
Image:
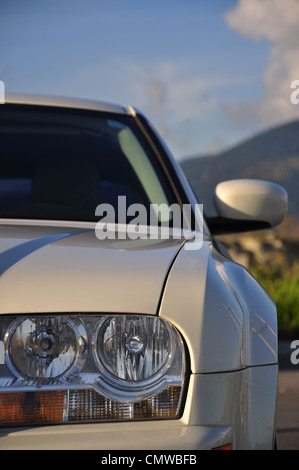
(202, 71)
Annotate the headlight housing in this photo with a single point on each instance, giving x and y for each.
(87, 368)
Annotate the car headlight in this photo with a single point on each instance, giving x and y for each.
(87, 368)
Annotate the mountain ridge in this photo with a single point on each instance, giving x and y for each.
(271, 155)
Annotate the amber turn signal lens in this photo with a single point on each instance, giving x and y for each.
(83, 405)
(37, 407)
(225, 447)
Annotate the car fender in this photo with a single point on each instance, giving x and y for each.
(227, 319)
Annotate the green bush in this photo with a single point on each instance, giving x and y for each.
(283, 287)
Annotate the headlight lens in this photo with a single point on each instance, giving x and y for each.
(43, 347)
(133, 348)
(71, 368)
(137, 355)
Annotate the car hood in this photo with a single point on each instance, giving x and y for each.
(54, 269)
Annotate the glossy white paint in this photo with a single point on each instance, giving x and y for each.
(76, 103)
(238, 399)
(150, 436)
(246, 199)
(81, 273)
(226, 318)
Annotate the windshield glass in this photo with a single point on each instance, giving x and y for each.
(62, 163)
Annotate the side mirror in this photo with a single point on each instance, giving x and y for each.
(248, 205)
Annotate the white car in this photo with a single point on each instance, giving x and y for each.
(122, 325)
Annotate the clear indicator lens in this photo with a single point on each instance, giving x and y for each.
(43, 347)
(74, 406)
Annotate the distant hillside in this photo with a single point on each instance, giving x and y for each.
(272, 155)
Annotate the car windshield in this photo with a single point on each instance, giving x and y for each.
(60, 164)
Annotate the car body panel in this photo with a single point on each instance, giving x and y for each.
(149, 437)
(242, 399)
(84, 273)
(234, 322)
(65, 102)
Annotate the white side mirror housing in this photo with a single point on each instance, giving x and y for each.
(251, 200)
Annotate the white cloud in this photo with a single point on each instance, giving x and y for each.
(276, 21)
(169, 88)
(177, 99)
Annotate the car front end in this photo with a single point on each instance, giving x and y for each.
(111, 339)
